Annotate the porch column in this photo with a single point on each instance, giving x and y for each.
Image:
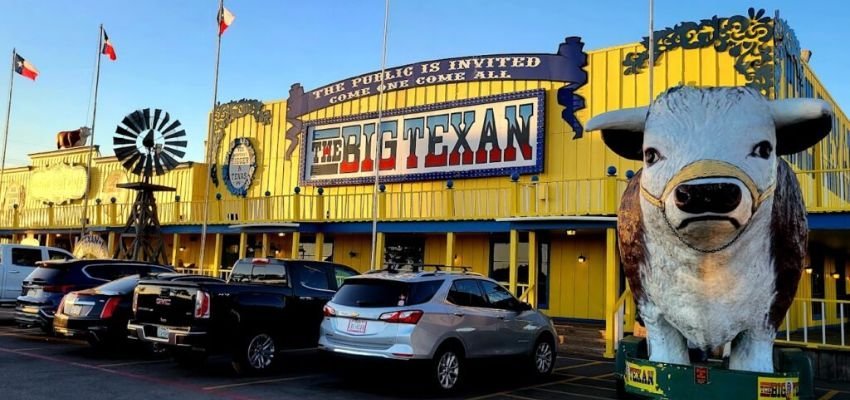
(450, 249)
(532, 269)
(111, 241)
(243, 244)
(266, 248)
(219, 244)
(514, 261)
(320, 244)
(49, 239)
(379, 250)
(175, 249)
(611, 288)
(296, 243)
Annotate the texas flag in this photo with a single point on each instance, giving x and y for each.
(107, 47)
(225, 18)
(24, 68)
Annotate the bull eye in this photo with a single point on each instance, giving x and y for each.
(651, 156)
(762, 150)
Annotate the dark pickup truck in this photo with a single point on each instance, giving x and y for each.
(266, 306)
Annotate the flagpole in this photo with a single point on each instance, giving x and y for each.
(651, 48)
(93, 121)
(6, 130)
(379, 141)
(209, 155)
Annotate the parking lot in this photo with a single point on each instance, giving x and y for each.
(35, 366)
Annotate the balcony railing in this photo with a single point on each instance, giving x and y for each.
(823, 191)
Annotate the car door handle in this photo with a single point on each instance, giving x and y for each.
(458, 314)
(14, 272)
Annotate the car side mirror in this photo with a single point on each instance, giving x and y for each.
(523, 306)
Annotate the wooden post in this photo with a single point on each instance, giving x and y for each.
(513, 267)
(98, 209)
(243, 212)
(111, 242)
(450, 200)
(16, 217)
(533, 261)
(266, 248)
(320, 206)
(51, 215)
(219, 244)
(296, 245)
(296, 205)
(513, 200)
(175, 211)
(113, 212)
(320, 245)
(450, 248)
(382, 206)
(49, 239)
(243, 244)
(611, 289)
(611, 193)
(379, 250)
(175, 249)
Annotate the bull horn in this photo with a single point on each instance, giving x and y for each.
(622, 131)
(800, 123)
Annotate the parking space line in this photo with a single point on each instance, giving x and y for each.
(587, 396)
(586, 359)
(232, 385)
(583, 385)
(516, 396)
(830, 394)
(124, 364)
(505, 392)
(578, 365)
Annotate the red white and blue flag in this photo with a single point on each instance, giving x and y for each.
(107, 47)
(24, 68)
(225, 18)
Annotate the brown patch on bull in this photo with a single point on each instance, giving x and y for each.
(630, 234)
(789, 231)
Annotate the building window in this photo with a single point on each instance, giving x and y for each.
(307, 251)
(404, 250)
(818, 279)
(500, 267)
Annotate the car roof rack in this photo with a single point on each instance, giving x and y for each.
(395, 268)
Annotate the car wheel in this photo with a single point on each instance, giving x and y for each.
(255, 354)
(188, 358)
(543, 357)
(447, 369)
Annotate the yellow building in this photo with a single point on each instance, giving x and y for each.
(483, 163)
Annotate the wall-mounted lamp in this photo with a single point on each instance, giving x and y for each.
(281, 234)
(582, 258)
(58, 235)
(276, 251)
(836, 275)
(809, 270)
(571, 232)
(352, 253)
(182, 248)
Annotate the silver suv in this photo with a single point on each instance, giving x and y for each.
(442, 317)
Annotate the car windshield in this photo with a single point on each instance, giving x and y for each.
(123, 285)
(385, 293)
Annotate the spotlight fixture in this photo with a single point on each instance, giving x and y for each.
(582, 258)
(809, 270)
(571, 232)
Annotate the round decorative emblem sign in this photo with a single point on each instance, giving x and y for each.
(239, 167)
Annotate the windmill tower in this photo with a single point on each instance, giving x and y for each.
(147, 143)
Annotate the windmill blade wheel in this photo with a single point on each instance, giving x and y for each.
(147, 142)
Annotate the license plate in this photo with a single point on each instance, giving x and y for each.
(162, 332)
(356, 326)
(75, 310)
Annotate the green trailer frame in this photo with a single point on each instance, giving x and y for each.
(638, 377)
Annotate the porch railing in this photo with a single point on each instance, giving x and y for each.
(823, 191)
(816, 323)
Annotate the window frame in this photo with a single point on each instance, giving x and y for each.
(477, 284)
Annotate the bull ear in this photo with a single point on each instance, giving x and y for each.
(622, 131)
(800, 123)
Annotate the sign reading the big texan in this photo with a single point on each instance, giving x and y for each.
(477, 137)
(567, 65)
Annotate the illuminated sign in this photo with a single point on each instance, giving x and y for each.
(58, 183)
(778, 388)
(240, 165)
(643, 377)
(487, 136)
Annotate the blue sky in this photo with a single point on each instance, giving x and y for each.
(166, 49)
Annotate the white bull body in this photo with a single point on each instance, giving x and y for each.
(712, 229)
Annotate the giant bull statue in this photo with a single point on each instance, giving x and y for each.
(75, 138)
(712, 229)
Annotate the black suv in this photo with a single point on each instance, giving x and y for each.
(45, 286)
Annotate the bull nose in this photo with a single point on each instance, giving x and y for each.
(718, 198)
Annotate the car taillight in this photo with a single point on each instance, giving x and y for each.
(202, 305)
(135, 300)
(109, 307)
(67, 299)
(402, 317)
(329, 311)
(57, 288)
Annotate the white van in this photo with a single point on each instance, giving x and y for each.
(17, 261)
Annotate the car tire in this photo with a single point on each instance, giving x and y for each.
(255, 353)
(188, 358)
(543, 355)
(447, 369)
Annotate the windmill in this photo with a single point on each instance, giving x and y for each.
(147, 143)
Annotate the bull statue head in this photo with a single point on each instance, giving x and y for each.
(712, 229)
